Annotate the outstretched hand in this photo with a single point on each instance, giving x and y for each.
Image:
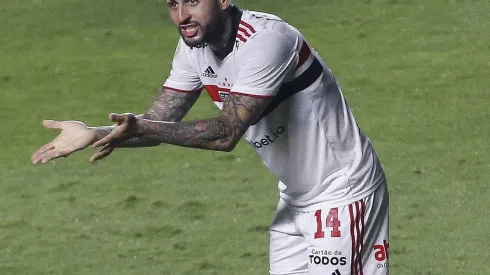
(124, 129)
(74, 136)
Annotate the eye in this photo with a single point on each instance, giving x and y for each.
(193, 2)
(172, 4)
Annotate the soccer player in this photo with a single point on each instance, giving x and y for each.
(278, 94)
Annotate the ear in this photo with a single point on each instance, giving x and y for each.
(224, 4)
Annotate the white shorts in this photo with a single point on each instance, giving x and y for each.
(347, 240)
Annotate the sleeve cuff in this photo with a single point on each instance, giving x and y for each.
(182, 87)
(253, 92)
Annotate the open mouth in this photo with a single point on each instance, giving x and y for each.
(189, 30)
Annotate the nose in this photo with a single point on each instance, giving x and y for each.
(183, 15)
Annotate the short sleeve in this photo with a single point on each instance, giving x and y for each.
(264, 63)
(183, 77)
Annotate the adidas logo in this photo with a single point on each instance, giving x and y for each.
(337, 272)
(209, 72)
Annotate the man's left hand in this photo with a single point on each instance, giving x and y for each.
(125, 128)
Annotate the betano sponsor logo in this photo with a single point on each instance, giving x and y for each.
(268, 139)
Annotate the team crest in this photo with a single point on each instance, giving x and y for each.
(223, 96)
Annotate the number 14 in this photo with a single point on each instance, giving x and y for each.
(331, 221)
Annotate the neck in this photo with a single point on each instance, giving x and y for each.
(220, 43)
(224, 41)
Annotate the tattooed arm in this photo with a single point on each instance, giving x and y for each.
(75, 135)
(220, 134)
(168, 106)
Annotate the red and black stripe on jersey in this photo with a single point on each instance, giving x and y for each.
(300, 83)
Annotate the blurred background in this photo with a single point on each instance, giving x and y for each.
(416, 74)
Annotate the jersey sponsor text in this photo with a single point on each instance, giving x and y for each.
(268, 139)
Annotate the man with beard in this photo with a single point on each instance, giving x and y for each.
(279, 95)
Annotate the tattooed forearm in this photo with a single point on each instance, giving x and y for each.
(211, 134)
(167, 106)
(220, 134)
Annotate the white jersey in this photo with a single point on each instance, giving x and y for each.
(307, 136)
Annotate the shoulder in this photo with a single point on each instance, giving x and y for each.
(262, 30)
(266, 46)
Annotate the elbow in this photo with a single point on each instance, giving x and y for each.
(227, 144)
(230, 136)
(228, 147)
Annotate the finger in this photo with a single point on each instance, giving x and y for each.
(114, 136)
(104, 152)
(111, 137)
(119, 118)
(39, 158)
(50, 155)
(52, 124)
(41, 150)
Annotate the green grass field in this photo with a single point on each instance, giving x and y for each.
(416, 73)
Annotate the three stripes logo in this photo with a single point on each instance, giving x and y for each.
(337, 272)
(209, 72)
(244, 32)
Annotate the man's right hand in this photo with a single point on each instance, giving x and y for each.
(74, 136)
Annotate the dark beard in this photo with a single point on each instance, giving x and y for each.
(214, 31)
